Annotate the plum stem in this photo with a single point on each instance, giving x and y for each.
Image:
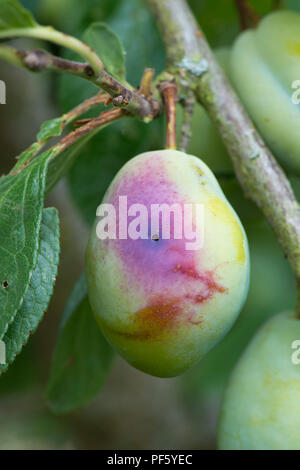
(168, 90)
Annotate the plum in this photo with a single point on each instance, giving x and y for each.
(261, 404)
(264, 64)
(161, 304)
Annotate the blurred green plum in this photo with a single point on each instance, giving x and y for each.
(162, 305)
(264, 64)
(261, 405)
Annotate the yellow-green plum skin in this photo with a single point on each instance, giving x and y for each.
(160, 305)
(261, 405)
(263, 65)
(267, 294)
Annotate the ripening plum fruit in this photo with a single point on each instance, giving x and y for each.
(161, 304)
(261, 405)
(264, 64)
(205, 141)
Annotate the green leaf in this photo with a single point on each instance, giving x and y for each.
(109, 48)
(40, 288)
(21, 205)
(51, 128)
(81, 358)
(13, 15)
(27, 155)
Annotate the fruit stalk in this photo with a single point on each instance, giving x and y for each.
(169, 93)
(258, 172)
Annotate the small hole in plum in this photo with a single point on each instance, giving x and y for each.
(155, 238)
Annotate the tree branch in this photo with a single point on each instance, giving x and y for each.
(257, 170)
(92, 124)
(85, 106)
(136, 104)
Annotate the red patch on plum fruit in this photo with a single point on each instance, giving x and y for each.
(162, 314)
(158, 316)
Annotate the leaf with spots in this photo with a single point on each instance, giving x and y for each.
(40, 288)
(82, 356)
(21, 205)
